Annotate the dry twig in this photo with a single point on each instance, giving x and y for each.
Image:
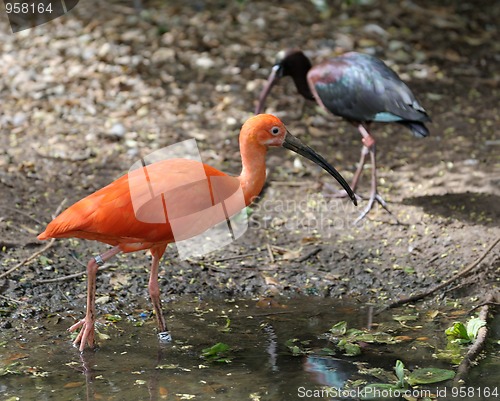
(270, 252)
(12, 209)
(69, 276)
(309, 254)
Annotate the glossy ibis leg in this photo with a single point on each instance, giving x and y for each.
(354, 184)
(154, 294)
(364, 151)
(369, 144)
(87, 333)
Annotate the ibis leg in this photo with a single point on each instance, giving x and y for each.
(354, 184)
(154, 294)
(374, 196)
(368, 142)
(359, 170)
(87, 324)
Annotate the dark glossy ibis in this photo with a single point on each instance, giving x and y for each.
(358, 87)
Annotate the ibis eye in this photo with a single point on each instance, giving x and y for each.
(275, 130)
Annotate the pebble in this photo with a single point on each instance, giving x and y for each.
(117, 130)
(205, 62)
(18, 119)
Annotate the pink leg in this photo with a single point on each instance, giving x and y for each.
(87, 333)
(154, 294)
(359, 170)
(369, 144)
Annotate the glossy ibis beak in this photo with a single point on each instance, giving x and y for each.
(273, 78)
(296, 145)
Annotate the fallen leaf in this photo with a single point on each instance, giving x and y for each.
(271, 281)
(268, 303)
(74, 384)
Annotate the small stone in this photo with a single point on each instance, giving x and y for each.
(163, 55)
(117, 130)
(18, 119)
(205, 62)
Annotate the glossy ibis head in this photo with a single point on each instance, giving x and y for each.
(290, 62)
(268, 130)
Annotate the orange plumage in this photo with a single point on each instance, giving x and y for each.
(108, 215)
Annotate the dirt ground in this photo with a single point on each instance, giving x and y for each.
(84, 96)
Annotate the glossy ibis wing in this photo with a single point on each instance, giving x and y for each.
(362, 88)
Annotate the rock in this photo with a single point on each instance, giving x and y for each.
(117, 130)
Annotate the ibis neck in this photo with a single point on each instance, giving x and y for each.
(297, 65)
(253, 172)
(300, 80)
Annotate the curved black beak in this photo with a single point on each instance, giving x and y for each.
(273, 78)
(296, 145)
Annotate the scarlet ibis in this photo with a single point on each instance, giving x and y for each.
(108, 215)
(361, 89)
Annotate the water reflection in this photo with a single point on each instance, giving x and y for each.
(40, 363)
(329, 371)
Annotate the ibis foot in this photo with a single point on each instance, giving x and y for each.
(374, 197)
(86, 334)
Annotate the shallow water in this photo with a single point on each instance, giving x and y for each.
(131, 365)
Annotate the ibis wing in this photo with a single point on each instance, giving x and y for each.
(359, 87)
(140, 207)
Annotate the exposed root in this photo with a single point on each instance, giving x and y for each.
(475, 349)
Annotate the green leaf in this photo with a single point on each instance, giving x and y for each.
(217, 353)
(376, 338)
(295, 346)
(355, 332)
(452, 353)
(326, 351)
(429, 375)
(112, 318)
(458, 331)
(473, 326)
(339, 329)
(14, 368)
(405, 318)
(227, 327)
(215, 350)
(384, 376)
(350, 349)
(400, 373)
(45, 261)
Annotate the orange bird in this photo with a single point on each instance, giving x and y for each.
(139, 209)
